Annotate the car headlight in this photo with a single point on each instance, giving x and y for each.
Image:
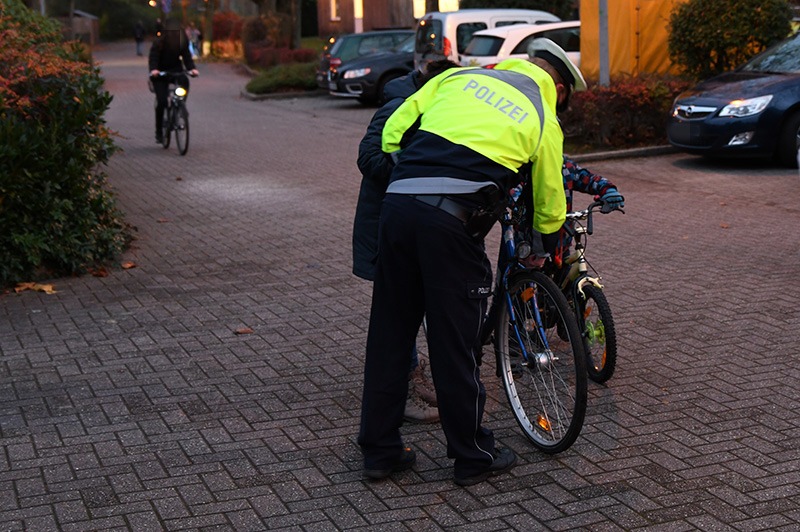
(356, 73)
(740, 108)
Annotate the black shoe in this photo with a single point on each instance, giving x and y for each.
(159, 139)
(407, 459)
(504, 460)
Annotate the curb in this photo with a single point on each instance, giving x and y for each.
(647, 151)
(282, 95)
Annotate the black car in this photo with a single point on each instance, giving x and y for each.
(753, 111)
(365, 77)
(346, 47)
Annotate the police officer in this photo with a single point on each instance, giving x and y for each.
(479, 132)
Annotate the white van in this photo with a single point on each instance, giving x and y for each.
(446, 35)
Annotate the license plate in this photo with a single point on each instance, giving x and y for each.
(332, 86)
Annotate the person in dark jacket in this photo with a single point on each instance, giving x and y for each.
(375, 168)
(169, 53)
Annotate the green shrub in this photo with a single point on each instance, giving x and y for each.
(630, 112)
(708, 37)
(291, 76)
(56, 213)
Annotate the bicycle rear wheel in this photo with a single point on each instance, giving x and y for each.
(599, 338)
(181, 127)
(166, 127)
(547, 392)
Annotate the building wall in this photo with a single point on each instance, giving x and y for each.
(389, 14)
(377, 14)
(335, 25)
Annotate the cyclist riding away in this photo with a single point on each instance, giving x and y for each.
(169, 53)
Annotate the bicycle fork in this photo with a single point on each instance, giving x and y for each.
(534, 326)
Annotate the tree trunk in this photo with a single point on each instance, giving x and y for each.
(72, 19)
(297, 26)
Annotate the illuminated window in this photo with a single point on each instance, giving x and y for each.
(335, 10)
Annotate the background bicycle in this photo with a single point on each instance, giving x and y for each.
(584, 292)
(176, 115)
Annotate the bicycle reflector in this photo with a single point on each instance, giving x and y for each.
(180, 91)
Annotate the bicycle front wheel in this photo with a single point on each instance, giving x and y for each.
(181, 127)
(597, 328)
(541, 361)
(166, 127)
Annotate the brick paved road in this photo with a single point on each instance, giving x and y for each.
(130, 403)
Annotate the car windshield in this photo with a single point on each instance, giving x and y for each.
(406, 45)
(784, 57)
(484, 45)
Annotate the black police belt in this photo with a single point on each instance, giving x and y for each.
(453, 208)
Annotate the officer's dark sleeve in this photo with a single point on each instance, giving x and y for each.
(372, 162)
(550, 241)
(152, 59)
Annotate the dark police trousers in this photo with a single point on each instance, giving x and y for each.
(427, 266)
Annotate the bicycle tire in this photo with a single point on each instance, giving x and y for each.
(181, 127)
(599, 336)
(547, 396)
(166, 127)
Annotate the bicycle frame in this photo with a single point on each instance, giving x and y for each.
(578, 267)
(509, 242)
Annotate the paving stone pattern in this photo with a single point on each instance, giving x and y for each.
(129, 402)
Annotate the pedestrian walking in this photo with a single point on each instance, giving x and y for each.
(138, 35)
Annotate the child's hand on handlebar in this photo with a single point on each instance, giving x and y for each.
(612, 200)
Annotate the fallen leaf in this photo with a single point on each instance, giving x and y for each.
(46, 288)
(724, 225)
(722, 203)
(99, 272)
(162, 220)
(179, 178)
(127, 265)
(244, 330)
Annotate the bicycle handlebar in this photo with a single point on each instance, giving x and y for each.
(586, 214)
(163, 73)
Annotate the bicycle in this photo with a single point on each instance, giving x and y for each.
(176, 116)
(538, 347)
(585, 294)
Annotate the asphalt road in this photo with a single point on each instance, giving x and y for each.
(216, 385)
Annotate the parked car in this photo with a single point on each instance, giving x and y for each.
(752, 111)
(446, 35)
(489, 47)
(365, 77)
(351, 45)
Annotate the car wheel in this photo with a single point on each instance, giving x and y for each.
(789, 141)
(382, 84)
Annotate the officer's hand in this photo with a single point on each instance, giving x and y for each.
(612, 200)
(153, 73)
(194, 72)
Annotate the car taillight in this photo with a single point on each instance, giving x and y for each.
(448, 48)
(490, 66)
(335, 62)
